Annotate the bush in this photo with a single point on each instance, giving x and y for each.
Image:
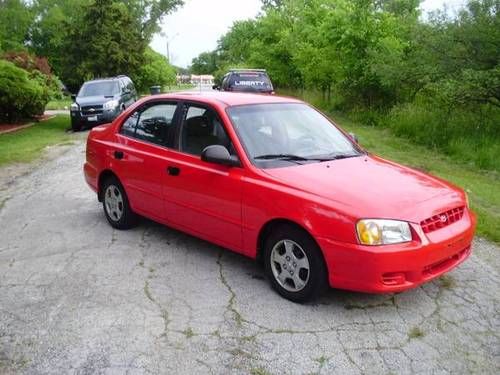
(20, 95)
(38, 69)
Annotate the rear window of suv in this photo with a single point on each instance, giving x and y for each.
(251, 81)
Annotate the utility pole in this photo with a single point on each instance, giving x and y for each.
(168, 40)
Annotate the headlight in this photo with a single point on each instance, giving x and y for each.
(382, 232)
(112, 104)
(74, 107)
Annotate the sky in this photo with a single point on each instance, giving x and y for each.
(197, 26)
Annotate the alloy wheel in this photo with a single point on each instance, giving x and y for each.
(290, 265)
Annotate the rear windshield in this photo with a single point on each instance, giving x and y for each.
(105, 88)
(250, 82)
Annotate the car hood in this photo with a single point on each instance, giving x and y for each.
(93, 100)
(371, 187)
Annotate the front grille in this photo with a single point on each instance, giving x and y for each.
(90, 110)
(442, 220)
(447, 263)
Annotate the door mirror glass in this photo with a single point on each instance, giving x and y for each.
(220, 155)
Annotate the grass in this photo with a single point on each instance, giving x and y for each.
(447, 281)
(188, 332)
(415, 333)
(58, 104)
(482, 186)
(259, 371)
(181, 87)
(25, 145)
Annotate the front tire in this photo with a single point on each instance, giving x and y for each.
(76, 125)
(116, 205)
(294, 264)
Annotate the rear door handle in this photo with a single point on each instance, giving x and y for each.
(118, 155)
(173, 171)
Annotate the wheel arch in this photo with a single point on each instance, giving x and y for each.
(267, 229)
(103, 176)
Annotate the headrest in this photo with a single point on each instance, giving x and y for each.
(199, 126)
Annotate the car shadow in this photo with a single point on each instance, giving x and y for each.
(238, 263)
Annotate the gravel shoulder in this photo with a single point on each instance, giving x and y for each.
(78, 297)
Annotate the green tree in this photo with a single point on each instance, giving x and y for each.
(15, 20)
(154, 71)
(205, 63)
(91, 38)
(149, 13)
(55, 20)
(107, 43)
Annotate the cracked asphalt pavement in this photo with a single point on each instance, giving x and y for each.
(77, 297)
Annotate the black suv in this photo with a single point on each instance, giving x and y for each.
(101, 100)
(246, 80)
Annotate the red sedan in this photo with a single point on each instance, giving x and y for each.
(274, 179)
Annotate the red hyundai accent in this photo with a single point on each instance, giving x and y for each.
(274, 179)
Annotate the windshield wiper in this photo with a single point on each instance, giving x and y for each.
(292, 157)
(335, 157)
(281, 157)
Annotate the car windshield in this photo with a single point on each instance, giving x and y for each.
(289, 132)
(104, 88)
(250, 82)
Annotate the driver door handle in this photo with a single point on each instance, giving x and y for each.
(173, 171)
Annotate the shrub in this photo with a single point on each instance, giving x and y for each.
(38, 69)
(20, 96)
(29, 62)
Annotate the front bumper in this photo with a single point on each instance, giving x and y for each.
(394, 268)
(94, 119)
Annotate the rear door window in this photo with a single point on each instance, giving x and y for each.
(154, 124)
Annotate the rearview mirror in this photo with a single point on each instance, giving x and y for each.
(354, 137)
(219, 155)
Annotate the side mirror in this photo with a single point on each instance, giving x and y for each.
(219, 155)
(73, 97)
(354, 137)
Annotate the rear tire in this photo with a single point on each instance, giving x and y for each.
(116, 205)
(294, 264)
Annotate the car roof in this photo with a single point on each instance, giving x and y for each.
(248, 71)
(106, 79)
(227, 98)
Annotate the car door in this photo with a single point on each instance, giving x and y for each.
(142, 152)
(204, 197)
